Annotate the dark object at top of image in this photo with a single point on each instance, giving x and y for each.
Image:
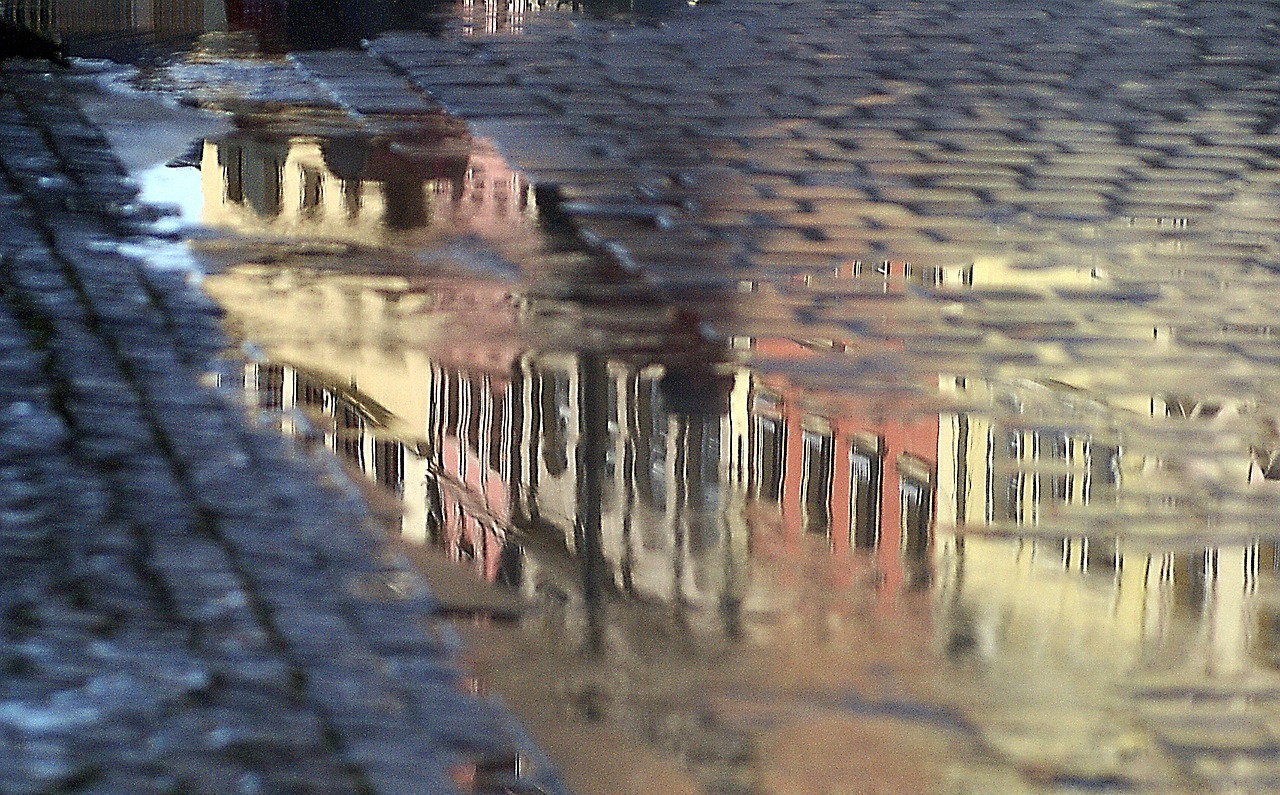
(17, 41)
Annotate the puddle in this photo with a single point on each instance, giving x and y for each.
(749, 582)
(719, 545)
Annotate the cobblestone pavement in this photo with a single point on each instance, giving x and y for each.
(187, 603)
(1011, 193)
(1074, 194)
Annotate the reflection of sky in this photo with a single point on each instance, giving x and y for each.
(173, 189)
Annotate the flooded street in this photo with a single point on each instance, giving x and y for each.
(996, 517)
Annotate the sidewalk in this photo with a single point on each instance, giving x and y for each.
(188, 604)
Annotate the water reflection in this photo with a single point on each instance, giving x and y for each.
(744, 555)
(388, 190)
(122, 28)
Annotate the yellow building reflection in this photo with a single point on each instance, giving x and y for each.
(373, 192)
(596, 458)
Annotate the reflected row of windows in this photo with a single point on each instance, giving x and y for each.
(475, 411)
(910, 273)
(62, 17)
(339, 417)
(1019, 472)
(338, 180)
(860, 461)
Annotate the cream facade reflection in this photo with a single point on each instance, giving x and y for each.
(489, 443)
(1047, 455)
(356, 353)
(357, 191)
(1125, 608)
(671, 498)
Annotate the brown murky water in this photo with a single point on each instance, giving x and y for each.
(703, 552)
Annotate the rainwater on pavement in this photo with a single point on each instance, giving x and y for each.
(1017, 540)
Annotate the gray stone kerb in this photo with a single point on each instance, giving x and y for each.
(188, 603)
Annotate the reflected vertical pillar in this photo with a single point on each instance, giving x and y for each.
(1228, 628)
(588, 535)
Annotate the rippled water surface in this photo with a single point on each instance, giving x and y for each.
(1000, 528)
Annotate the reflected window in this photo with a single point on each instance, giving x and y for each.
(270, 384)
(451, 402)
(1005, 476)
(310, 393)
(917, 493)
(770, 458)
(388, 465)
(352, 197)
(651, 445)
(476, 405)
(263, 178)
(1053, 455)
(1104, 467)
(350, 426)
(406, 203)
(866, 473)
(816, 480)
(1101, 554)
(1193, 578)
(312, 192)
(555, 422)
(231, 157)
(434, 513)
(499, 431)
(704, 462)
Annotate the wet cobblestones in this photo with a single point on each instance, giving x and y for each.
(1028, 192)
(180, 608)
(1062, 211)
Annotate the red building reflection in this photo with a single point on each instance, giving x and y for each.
(868, 486)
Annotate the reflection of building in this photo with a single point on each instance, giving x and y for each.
(371, 358)
(866, 485)
(358, 190)
(78, 17)
(669, 523)
(1111, 601)
(1010, 472)
(675, 488)
(469, 493)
